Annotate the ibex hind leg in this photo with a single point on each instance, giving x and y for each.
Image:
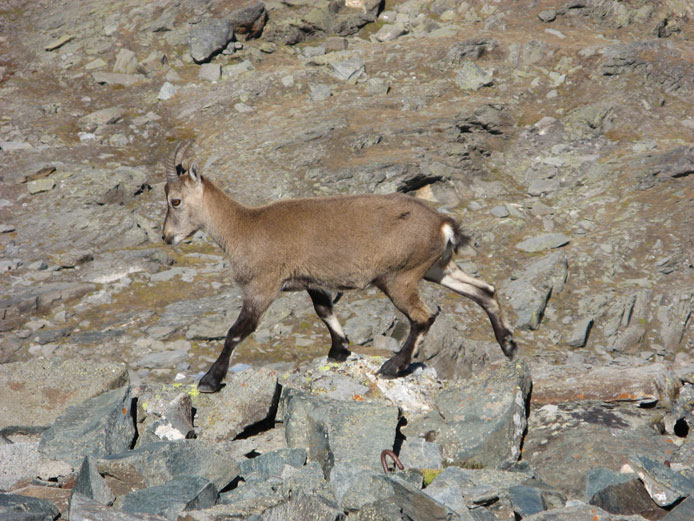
(323, 304)
(403, 293)
(482, 293)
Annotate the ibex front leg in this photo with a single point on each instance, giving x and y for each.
(323, 305)
(245, 324)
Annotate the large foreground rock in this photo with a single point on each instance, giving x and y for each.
(84, 509)
(97, 427)
(22, 508)
(480, 421)
(333, 431)
(35, 393)
(157, 463)
(247, 398)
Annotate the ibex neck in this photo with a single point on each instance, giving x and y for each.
(223, 215)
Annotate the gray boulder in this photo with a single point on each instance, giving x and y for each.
(209, 38)
(481, 421)
(272, 463)
(160, 462)
(618, 493)
(84, 509)
(333, 431)
(171, 498)
(91, 485)
(23, 508)
(247, 398)
(99, 426)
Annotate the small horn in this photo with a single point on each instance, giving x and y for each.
(174, 162)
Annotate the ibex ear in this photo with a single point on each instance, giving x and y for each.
(194, 174)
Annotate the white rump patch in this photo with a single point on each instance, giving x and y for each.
(448, 233)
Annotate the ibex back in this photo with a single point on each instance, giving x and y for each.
(321, 244)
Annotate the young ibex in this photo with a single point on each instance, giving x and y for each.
(319, 244)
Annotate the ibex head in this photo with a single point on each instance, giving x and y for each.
(184, 197)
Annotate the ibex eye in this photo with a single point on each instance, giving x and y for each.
(175, 203)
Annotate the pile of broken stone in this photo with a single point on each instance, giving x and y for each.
(79, 442)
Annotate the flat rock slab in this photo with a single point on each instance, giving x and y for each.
(333, 431)
(171, 498)
(84, 509)
(569, 383)
(543, 242)
(581, 512)
(99, 426)
(247, 398)
(160, 462)
(35, 393)
(480, 421)
(14, 506)
(564, 442)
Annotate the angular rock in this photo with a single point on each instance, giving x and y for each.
(333, 431)
(618, 493)
(210, 72)
(564, 442)
(566, 383)
(472, 49)
(18, 461)
(116, 78)
(126, 62)
(171, 498)
(579, 512)
(665, 486)
(249, 397)
(164, 418)
(84, 509)
(302, 507)
(682, 512)
(526, 500)
(14, 507)
(449, 488)
(157, 463)
(543, 242)
(579, 333)
(209, 38)
(91, 485)
(272, 463)
(472, 77)
(482, 421)
(99, 426)
(356, 486)
(405, 501)
(348, 70)
(421, 454)
(249, 20)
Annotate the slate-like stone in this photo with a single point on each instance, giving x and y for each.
(99, 426)
(334, 431)
(355, 486)
(36, 392)
(91, 485)
(165, 414)
(24, 508)
(272, 463)
(472, 77)
(84, 509)
(682, 512)
(664, 485)
(303, 507)
(160, 462)
(543, 242)
(210, 37)
(421, 454)
(409, 501)
(448, 488)
(617, 493)
(526, 500)
(247, 398)
(482, 420)
(568, 383)
(171, 498)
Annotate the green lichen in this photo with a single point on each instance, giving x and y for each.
(429, 475)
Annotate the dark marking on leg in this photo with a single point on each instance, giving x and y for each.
(323, 305)
(245, 324)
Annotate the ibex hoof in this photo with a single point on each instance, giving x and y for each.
(208, 384)
(389, 370)
(510, 348)
(339, 355)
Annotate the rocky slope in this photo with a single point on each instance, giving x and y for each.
(558, 132)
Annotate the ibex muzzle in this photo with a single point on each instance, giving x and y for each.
(391, 242)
